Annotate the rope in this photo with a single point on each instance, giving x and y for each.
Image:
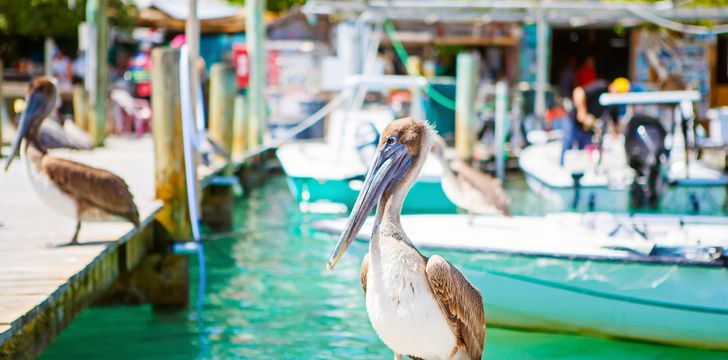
(190, 140)
(303, 125)
(435, 95)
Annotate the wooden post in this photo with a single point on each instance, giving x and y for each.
(80, 107)
(501, 113)
(217, 200)
(3, 110)
(465, 86)
(98, 22)
(192, 36)
(255, 38)
(222, 102)
(167, 134)
(169, 172)
(49, 47)
(240, 126)
(539, 108)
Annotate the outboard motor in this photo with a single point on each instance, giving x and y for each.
(645, 147)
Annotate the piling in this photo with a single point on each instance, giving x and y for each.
(80, 107)
(217, 199)
(501, 113)
(3, 110)
(49, 46)
(465, 86)
(255, 39)
(541, 65)
(240, 127)
(98, 25)
(222, 103)
(169, 174)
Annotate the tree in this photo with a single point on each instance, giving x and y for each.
(41, 18)
(275, 5)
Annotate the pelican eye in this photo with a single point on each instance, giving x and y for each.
(391, 140)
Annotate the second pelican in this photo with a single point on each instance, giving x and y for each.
(76, 190)
(420, 307)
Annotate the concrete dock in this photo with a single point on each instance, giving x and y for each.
(42, 288)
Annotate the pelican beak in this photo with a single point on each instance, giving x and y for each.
(24, 125)
(389, 164)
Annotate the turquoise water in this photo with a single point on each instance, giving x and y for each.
(269, 296)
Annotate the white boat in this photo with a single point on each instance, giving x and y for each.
(605, 183)
(653, 278)
(605, 186)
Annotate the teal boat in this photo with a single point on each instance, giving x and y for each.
(331, 170)
(655, 278)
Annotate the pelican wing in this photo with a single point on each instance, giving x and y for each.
(364, 271)
(96, 187)
(461, 303)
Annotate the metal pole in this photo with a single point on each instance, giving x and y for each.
(467, 79)
(48, 50)
(540, 105)
(255, 38)
(501, 108)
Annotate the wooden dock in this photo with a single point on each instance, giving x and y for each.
(42, 288)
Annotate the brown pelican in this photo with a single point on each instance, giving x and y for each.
(76, 190)
(469, 188)
(423, 308)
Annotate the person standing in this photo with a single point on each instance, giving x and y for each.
(587, 72)
(579, 128)
(63, 70)
(566, 78)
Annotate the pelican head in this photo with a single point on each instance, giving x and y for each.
(401, 151)
(40, 102)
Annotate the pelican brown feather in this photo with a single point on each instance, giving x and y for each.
(91, 187)
(364, 271)
(461, 303)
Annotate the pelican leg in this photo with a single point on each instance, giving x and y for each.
(74, 240)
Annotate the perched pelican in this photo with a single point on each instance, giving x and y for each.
(76, 190)
(469, 188)
(423, 308)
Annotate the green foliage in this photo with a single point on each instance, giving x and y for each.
(40, 18)
(274, 5)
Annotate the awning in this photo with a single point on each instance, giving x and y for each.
(216, 16)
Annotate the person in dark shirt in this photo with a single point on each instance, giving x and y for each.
(579, 128)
